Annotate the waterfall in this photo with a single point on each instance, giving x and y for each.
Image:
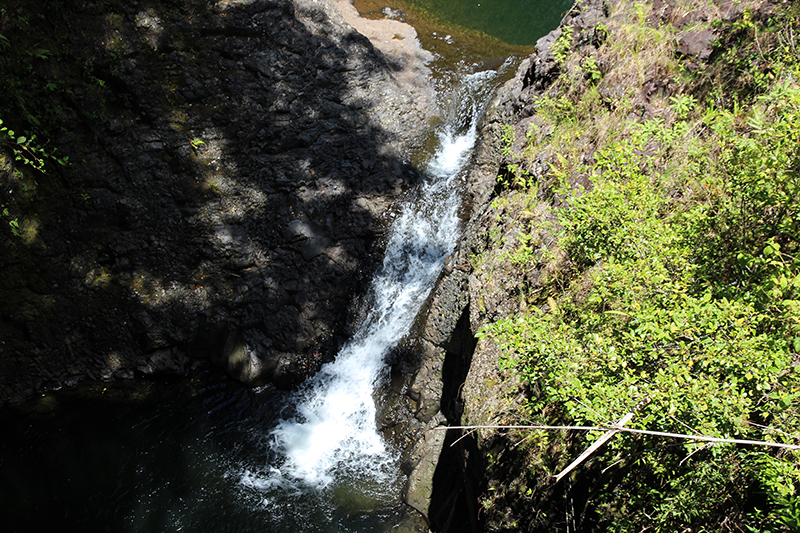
(330, 442)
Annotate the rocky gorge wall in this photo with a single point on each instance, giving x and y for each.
(231, 165)
(230, 170)
(484, 480)
(457, 375)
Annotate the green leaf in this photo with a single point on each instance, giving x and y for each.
(21, 140)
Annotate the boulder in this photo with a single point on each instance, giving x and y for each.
(697, 44)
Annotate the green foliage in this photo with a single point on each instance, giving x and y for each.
(591, 70)
(507, 139)
(601, 33)
(13, 223)
(27, 150)
(516, 177)
(617, 219)
(686, 297)
(524, 254)
(683, 105)
(196, 142)
(779, 480)
(562, 48)
(753, 57)
(752, 227)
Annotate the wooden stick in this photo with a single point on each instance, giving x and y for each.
(702, 438)
(593, 448)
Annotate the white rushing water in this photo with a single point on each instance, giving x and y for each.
(332, 434)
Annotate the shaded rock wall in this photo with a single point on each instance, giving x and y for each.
(457, 380)
(230, 166)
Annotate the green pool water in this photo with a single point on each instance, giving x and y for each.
(481, 33)
(515, 22)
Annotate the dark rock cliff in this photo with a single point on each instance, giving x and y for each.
(457, 380)
(230, 165)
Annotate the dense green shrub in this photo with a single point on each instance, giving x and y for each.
(685, 301)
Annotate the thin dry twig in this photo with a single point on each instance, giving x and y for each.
(703, 447)
(465, 435)
(593, 448)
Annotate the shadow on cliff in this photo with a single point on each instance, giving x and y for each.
(225, 193)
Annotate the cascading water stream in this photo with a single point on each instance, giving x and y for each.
(331, 440)
(202, 453)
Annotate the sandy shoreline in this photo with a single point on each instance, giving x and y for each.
(396, 40)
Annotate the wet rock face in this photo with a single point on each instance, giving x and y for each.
(230, 169)
(456, 379)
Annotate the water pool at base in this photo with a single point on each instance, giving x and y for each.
(160, 456)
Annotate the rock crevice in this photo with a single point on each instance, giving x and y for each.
(457, 380)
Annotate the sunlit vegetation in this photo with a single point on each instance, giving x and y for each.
(676, 293)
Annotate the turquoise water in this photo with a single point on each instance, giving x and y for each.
(517, 22)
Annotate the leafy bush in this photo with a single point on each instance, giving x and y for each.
(686, 302)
